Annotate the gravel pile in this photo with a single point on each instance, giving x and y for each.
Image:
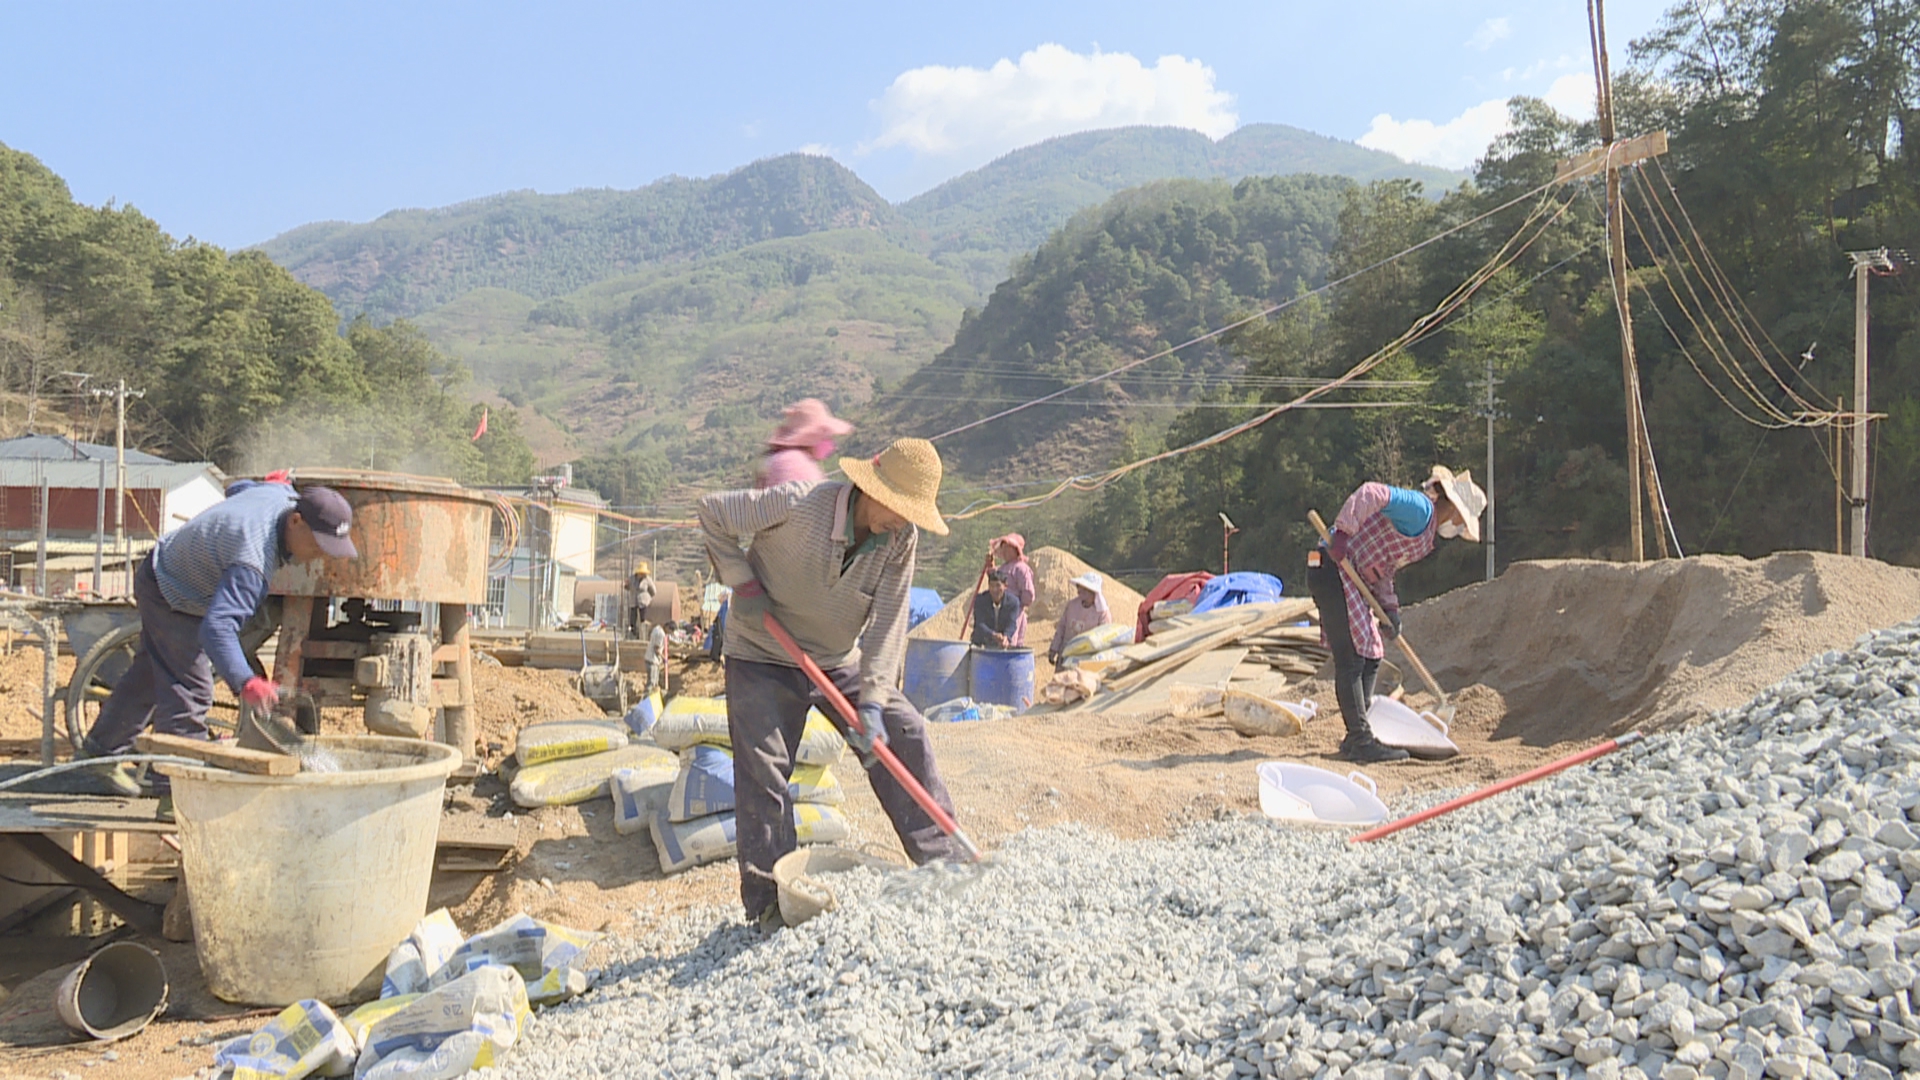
(1727, 901)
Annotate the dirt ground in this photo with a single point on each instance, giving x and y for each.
(1548, 659)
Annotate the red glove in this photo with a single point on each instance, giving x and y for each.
(280, 476)
(262, 694)
(1337, 546)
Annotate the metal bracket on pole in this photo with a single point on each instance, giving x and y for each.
(1614, 155)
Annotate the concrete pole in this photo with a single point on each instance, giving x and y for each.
(99, 524)
(1489, 476)
(40, 561)
(120, 481)
(1858, 548)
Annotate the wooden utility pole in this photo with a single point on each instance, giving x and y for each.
(1864, 265)
(1641, 480)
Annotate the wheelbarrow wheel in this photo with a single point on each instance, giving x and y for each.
(95, 675)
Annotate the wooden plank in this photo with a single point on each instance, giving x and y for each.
(1624, 152)
(138, 914)
(1275, 615)
(256, 762)
(1206, 669)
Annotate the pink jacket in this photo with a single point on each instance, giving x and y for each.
(786, 466)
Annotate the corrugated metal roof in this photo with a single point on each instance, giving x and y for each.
(62, 448)
(167, 476)
(28, 549)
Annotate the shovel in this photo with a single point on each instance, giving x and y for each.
(1444, 710)
(851, 718)
(283, 730)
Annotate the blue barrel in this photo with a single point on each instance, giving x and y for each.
(1003, 677)
(936, 671)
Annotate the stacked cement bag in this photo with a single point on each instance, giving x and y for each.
(570, 761)
(695, 823)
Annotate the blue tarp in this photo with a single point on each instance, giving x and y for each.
(922, 604)
(1229, 590)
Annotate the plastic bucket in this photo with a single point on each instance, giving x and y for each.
(936, 671)
(113, 993)
(1303, 793)
(302, 884)
(1003, 677)
(798, 875)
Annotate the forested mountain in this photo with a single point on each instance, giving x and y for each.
(540, 246)
(1790, 149)
(981, 221)
(1148, 269)
(240, 363)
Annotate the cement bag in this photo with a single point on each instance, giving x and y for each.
(412, 963)
(361, 1020)
(306, 1039)
(562, 739)
(689, 720)
(1167, 609)
(820, 741)
(466, 1024)
(683, 845)
(575, 780)
(637, 793)
(1106, 636)
(705, 784)
(645, 713)
(543, 953)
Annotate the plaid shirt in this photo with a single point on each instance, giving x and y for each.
(1376, 549)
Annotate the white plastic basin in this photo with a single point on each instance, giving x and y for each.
(1304, 793)
(1421, 734)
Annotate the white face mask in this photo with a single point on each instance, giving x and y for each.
(1450, 529)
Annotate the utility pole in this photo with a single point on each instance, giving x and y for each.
(1227, 529)
(1865, 263)
(1612, 155)
(120, 393)
(1490, 408)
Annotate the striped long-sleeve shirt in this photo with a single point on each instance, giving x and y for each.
(839, 617)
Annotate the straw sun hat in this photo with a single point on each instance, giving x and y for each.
(905, 478)
(1466, 497)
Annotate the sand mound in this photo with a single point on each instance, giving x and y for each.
(1053, 574)
(1581, 649)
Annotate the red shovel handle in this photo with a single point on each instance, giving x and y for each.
(851, 718)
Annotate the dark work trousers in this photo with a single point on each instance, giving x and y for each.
(170, 682)
(1353, 674)
(766, 712)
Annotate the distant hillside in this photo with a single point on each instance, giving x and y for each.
(980, 221)
(696, 358)
(1151, 268)
(409, 261)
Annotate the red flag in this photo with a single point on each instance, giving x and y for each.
(482, 429)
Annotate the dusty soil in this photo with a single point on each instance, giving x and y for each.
(1546, 660)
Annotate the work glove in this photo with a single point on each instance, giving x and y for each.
(1337, 545)
(262, 694)
(873, 729)
(1390, 626)
(750, 602)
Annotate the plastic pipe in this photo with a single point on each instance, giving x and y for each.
(1497, 787)
(88, 763)
(851, 718)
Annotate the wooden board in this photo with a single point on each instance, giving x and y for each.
(1266, 615)
(223, 755)
(1207, 669)
(473, 843)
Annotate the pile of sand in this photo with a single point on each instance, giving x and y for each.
(1582, 649)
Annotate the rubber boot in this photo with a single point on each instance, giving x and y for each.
(1360, 745)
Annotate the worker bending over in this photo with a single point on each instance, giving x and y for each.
(832, 562)
(195, 591)
(1380, 529)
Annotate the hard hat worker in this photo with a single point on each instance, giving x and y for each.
(1381, 529)
(832, 562)
(200, 585)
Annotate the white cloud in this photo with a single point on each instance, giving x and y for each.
(1455, 144)
(817, 150)
(966, 113)
(1491, 32)
(1459, 142)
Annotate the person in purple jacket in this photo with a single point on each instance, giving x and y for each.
(195, 592)
(1380, 529)
(802, 441)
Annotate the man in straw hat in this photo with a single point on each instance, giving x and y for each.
(1380, 529)
(832, 562)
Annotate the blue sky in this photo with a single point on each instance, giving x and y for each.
(235, 122)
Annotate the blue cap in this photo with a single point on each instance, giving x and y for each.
(330, 516)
